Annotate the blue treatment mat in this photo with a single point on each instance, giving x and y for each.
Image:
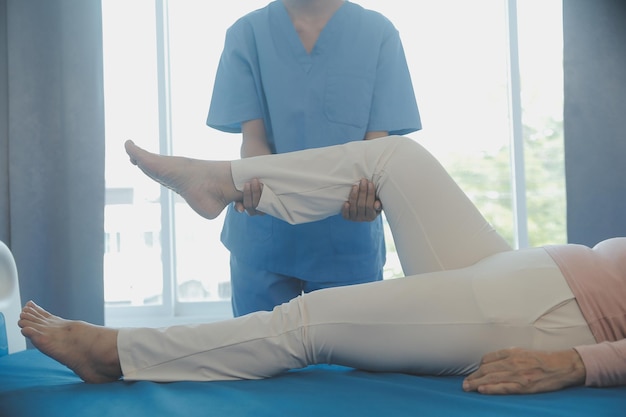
(31, 384)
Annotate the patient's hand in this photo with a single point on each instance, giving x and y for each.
(522, 371)
(251, 197)
(362, 204)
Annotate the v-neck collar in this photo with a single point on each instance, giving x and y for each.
(326, 37)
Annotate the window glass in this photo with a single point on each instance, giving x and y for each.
(132, 213)
(458, 55)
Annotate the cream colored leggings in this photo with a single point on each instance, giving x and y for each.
(466, 292)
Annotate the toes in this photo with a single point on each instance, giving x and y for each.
(38, 310)
(131, 150)
(30, 332)
(32, 314)
(30, 317)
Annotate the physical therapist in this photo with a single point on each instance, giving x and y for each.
(301, 74)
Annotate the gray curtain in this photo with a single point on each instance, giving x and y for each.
(52, 151)
(595, 118)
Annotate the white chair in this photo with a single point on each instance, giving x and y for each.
(10, 302)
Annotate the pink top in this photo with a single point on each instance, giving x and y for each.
(597, 278)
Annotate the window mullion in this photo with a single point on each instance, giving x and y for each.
(168, 247)
(518, 176)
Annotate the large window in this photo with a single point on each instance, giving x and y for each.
(488, 78)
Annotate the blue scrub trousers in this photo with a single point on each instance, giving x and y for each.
(254, 289)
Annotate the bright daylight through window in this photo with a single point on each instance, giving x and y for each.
(498, 131)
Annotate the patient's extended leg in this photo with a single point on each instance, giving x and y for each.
(207, 186)
(88, 350)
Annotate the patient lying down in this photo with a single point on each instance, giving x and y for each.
(466, 299)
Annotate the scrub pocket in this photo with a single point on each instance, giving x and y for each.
(348, 99)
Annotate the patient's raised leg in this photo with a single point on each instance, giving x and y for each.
(435, 225)
(88, 350)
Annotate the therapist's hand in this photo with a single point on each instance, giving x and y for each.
(522, 371)
(362, 204)
(251, 197)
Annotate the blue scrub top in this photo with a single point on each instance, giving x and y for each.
(354, 80)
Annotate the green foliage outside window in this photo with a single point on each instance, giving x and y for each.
(486, 179)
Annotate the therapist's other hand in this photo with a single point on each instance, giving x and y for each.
(362, 204)
(522, 371)
(251, 197)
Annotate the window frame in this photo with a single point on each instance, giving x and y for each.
(171, 311)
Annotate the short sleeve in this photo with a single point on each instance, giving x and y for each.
(235, 96)
(394, 108)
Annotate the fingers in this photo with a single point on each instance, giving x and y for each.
(345, 211)
(506, 382)
(362, 204)
(352, 208)
(251, 197)
(502, 388)
(367, 200)
(490, 362)
(516, 371)
(488, 375)
(497, 355)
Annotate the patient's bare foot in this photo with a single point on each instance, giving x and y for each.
(207, 186)
(88, 350)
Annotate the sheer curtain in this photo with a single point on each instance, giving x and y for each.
(52, 151)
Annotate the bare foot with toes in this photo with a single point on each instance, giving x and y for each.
(207, 186)
(88, 350)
